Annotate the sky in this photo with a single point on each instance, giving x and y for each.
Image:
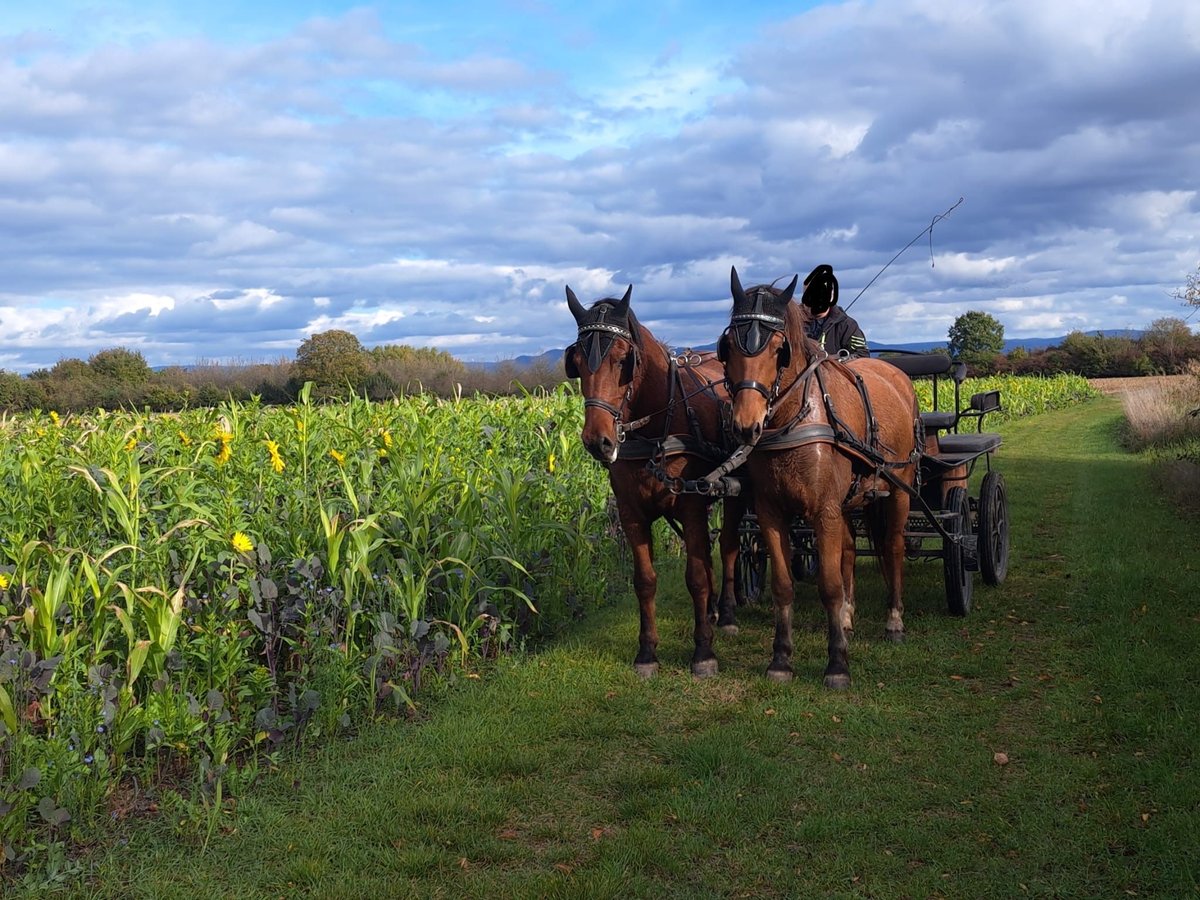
(220, 181)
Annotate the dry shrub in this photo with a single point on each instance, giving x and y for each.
(1162, 415)
(1179, 480)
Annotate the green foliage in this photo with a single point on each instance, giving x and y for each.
(976, 337)
(126, 367)
(334, 361)
(198, 591)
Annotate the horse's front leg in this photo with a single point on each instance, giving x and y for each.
(774, 527)
(698, 576)
(831, 535)
(892, 557)
(731, 519)
(849, 558)
(645, 585)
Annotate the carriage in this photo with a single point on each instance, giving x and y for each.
(967, 533)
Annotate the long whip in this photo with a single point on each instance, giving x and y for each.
(928, 229)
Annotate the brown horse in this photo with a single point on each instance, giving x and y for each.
(829, 437)
(654, 420)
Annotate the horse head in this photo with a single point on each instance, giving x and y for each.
(756, 349)
(604, 358)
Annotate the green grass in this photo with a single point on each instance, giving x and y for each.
(560, 774)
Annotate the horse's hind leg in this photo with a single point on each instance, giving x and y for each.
(645, 585)
(699, 577)
(831, 539)
(731, 517)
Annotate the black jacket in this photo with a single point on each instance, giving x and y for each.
(838, 331)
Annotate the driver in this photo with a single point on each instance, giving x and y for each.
(837, 333)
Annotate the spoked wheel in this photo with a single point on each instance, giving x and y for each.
(750, 567)
(804, 558)
(956, 557)
(993, 528)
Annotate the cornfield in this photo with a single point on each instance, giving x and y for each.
(190, 593)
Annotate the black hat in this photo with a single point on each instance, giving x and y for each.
(820, 290)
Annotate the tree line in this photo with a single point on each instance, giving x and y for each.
(335, 362)
(1165, 348)
(338, 365)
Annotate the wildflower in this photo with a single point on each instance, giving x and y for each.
(241, 543)
(4, 582)
(276, 460)
(184, 439)
(54, 417)
(550, 464)
(130, 445)
(387, 438)
(225, 438)
(339, 458)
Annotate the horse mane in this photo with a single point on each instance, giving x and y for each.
(796, 322)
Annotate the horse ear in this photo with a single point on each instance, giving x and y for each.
(572, 370)
(574, 305)
(735, 286)
(623, 306)
(723, 348)
(786, 296)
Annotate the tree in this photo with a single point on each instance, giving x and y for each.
(976, 337)
(1168, 342)
(127, 367)
(335, 361)
(1189, 294)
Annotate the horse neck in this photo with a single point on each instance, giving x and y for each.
(652, 390)
(802, 356)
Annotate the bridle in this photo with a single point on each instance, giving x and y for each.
(591, 342)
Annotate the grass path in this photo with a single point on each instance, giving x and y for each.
(563, 775)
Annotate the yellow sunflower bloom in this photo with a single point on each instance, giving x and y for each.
(241, 542)
(338, 457)
(4, 582)
(277, 462)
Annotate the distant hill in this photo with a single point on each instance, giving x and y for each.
(552, 357)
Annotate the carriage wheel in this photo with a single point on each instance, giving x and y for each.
(993, 528)
(804, 558)
(750, 567)
(959, 582)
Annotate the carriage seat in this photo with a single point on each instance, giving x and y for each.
(938, 421)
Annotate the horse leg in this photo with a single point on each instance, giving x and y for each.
(849, 557)
(831, 537)
(891, 555)
(645, 584)
(699, 578)
(731, 518)
(774, 530)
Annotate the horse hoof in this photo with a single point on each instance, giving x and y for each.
(645, 670)
(731, 629)
(779, 675)
(837, 682)
(706, 668)
(895, 636)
